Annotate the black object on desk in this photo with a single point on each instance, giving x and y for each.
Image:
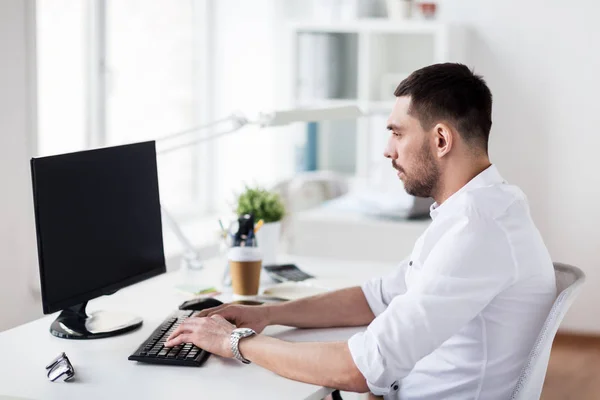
(245, 234)
(200, 303)
(99, 229)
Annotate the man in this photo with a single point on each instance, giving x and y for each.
(458, 318)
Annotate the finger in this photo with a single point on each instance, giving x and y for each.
(180, 330)
(185, 327)
(183, 338)
(229, 313)
(208, 311)
(227, 309)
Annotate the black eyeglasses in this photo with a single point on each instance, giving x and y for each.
(60, 367)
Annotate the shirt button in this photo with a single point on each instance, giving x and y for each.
(395, 386)
(410, 264)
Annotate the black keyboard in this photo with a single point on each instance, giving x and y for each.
(153, 350)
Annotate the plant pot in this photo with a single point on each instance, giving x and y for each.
(268, 242)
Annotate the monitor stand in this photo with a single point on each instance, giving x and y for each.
(74, 323)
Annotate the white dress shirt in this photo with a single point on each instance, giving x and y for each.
(458, 318)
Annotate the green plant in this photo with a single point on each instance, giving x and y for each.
(263, 204)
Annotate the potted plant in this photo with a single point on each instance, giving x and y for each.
(269, 207)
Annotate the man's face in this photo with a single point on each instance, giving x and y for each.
(411, 150)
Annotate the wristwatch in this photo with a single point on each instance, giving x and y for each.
(234, 339)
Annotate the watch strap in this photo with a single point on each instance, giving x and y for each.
(235, 338)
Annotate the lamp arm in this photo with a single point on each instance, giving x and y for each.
(237, 121)
(191, 255)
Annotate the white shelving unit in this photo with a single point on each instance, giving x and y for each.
(361, 62)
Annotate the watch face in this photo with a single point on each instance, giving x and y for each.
(244, 331)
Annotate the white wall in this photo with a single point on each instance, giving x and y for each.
(18, 259)
(541, 60)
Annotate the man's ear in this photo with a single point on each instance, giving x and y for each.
(443, 139)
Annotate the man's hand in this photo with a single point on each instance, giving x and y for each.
(211, 334)
(254, 317)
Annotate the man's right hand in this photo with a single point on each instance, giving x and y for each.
(254, 317)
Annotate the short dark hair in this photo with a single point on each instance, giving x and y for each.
(453, 93)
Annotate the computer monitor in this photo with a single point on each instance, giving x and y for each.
(99, 229)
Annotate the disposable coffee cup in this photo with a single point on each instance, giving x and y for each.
(245, 264)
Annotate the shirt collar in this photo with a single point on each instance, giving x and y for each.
(488, 177)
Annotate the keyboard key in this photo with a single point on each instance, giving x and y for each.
(163, 352)
(183, 353)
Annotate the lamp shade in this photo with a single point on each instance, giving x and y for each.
(279, 118)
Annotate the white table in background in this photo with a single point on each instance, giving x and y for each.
(101, 365)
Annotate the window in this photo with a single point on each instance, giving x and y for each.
(120, 71)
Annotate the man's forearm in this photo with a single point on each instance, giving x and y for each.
(324, 364)
(346, 307)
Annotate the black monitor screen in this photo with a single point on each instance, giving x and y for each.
(98, 222)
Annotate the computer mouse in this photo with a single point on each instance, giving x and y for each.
(200, 303)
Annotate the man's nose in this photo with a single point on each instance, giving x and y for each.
(390, 151)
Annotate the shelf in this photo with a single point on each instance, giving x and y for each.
(361, 63)
(375, 25)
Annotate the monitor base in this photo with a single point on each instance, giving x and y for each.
(74, 323)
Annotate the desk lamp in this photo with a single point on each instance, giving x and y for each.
(236, 122)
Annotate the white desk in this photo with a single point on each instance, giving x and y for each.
(101, 365)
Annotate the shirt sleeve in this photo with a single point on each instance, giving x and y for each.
(379, 292)
(469, 265)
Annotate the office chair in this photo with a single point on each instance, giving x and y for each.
(569, 280)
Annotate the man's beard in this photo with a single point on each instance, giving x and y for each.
(425, 176)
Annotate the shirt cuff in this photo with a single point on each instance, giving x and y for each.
(373, 293)
(365, 353)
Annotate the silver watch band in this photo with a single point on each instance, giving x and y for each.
(235, 338)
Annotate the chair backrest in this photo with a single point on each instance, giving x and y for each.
(568, 283)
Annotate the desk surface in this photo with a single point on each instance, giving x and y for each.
(102, 368)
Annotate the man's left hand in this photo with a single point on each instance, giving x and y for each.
(211, 334)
